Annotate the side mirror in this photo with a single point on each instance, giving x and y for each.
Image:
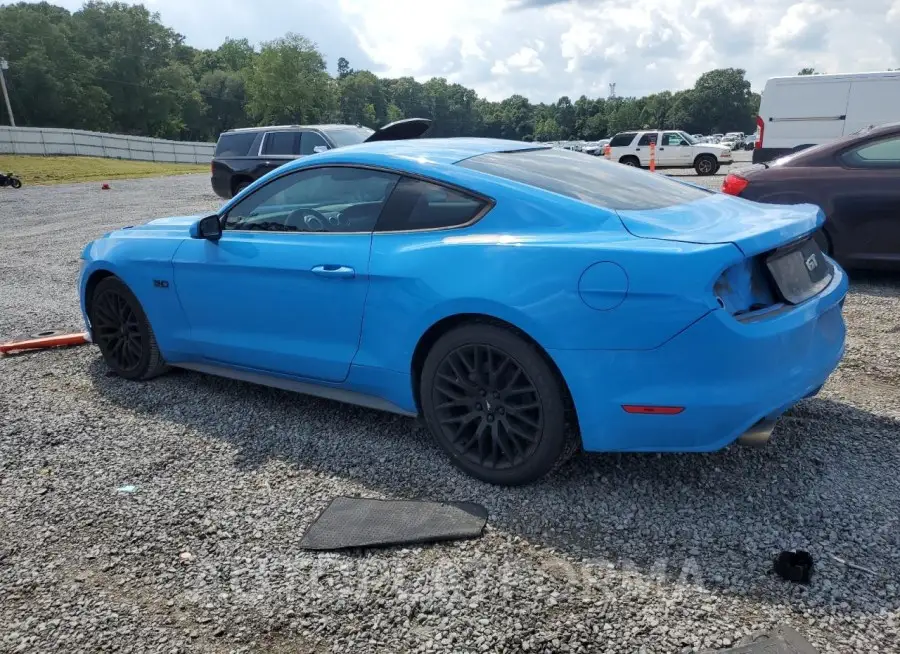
(207, 227)
(320, 148)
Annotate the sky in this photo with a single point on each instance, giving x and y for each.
(544, 49)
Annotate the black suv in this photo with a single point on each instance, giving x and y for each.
(244, 155)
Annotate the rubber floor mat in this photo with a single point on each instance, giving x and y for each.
(364, 522)
(781, 640)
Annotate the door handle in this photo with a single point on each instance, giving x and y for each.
(637, 149)
(333, 270)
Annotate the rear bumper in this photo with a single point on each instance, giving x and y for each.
(221, 182)
(727, 375)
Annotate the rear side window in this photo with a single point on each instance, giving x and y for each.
(235, 145)
(282, 143)
(619, 140)
(589, 179)
(880, 154)
(416, 204)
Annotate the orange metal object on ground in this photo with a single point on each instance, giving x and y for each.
(652, 156)
(63, 340)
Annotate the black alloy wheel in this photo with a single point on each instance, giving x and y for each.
(122, 332)
(488, 407)
(494, 404)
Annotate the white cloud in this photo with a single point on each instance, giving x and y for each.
(547, 48)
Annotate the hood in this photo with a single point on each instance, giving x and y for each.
(408, 128)
(177, 224)
(753, 227)
(717, 146)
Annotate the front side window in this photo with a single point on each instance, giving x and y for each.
(344, 136)
(880, 154)
(281, 143)
(416, 204)
(673, 139)
(309, 141)
(330, 199)
(592, 180)
(623, 139)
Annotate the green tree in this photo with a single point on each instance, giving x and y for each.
(287, 83)
(807, 71)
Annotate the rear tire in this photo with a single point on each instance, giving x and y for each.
(240, 186)
(495, 405)
(634, 162)
(122, 332)
(706, 164)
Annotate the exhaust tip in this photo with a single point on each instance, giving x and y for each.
(758, 434)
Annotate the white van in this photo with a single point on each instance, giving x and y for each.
(801, 111)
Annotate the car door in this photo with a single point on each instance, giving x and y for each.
(866, 201)
(283, 290)
(642, 150)
(277, 148)
(673, 151)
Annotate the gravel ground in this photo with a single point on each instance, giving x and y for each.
(615, 553)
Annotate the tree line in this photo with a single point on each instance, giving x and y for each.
(115, 67)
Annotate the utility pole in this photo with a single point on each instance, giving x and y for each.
(4, 65)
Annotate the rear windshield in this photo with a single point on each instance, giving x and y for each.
(587, 178)
(235, 145)
(349, 135)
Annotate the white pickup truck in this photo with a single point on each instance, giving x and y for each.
(674, 149)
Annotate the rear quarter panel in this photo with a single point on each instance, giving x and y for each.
(522, 263)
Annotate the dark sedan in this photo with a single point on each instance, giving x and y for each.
(856, 182)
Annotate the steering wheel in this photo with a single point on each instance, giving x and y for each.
(307, 220)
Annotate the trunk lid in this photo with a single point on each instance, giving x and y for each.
(752, 227)
(408, 128)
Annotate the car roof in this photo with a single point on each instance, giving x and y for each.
(445, 151)
(245, 130)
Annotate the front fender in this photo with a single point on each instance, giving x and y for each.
(143, 264)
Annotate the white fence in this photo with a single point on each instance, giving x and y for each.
(51, 140)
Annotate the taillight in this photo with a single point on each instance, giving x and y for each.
(761, 126)
(734, 184)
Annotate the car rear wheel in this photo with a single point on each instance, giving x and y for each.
(240, 186)
(630, 161)
(495, 405)
(706, 164)
(123, 333)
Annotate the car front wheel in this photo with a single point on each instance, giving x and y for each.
(122, 332)
(495, 405)
(706, 164)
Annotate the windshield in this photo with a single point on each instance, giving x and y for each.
(349, 135)
(687, 137)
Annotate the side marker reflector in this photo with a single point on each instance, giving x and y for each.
(653, 410)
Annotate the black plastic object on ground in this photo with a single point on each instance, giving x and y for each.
(781, 640)
(364, 522)
(795, 566)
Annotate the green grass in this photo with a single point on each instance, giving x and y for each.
(35, 169)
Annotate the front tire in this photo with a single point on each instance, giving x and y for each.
(123, 333)
(15, 183)
(706, 164)
(495, 405)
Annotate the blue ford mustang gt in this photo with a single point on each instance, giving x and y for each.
(524, 301)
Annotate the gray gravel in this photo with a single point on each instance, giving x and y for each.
(616, 553)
